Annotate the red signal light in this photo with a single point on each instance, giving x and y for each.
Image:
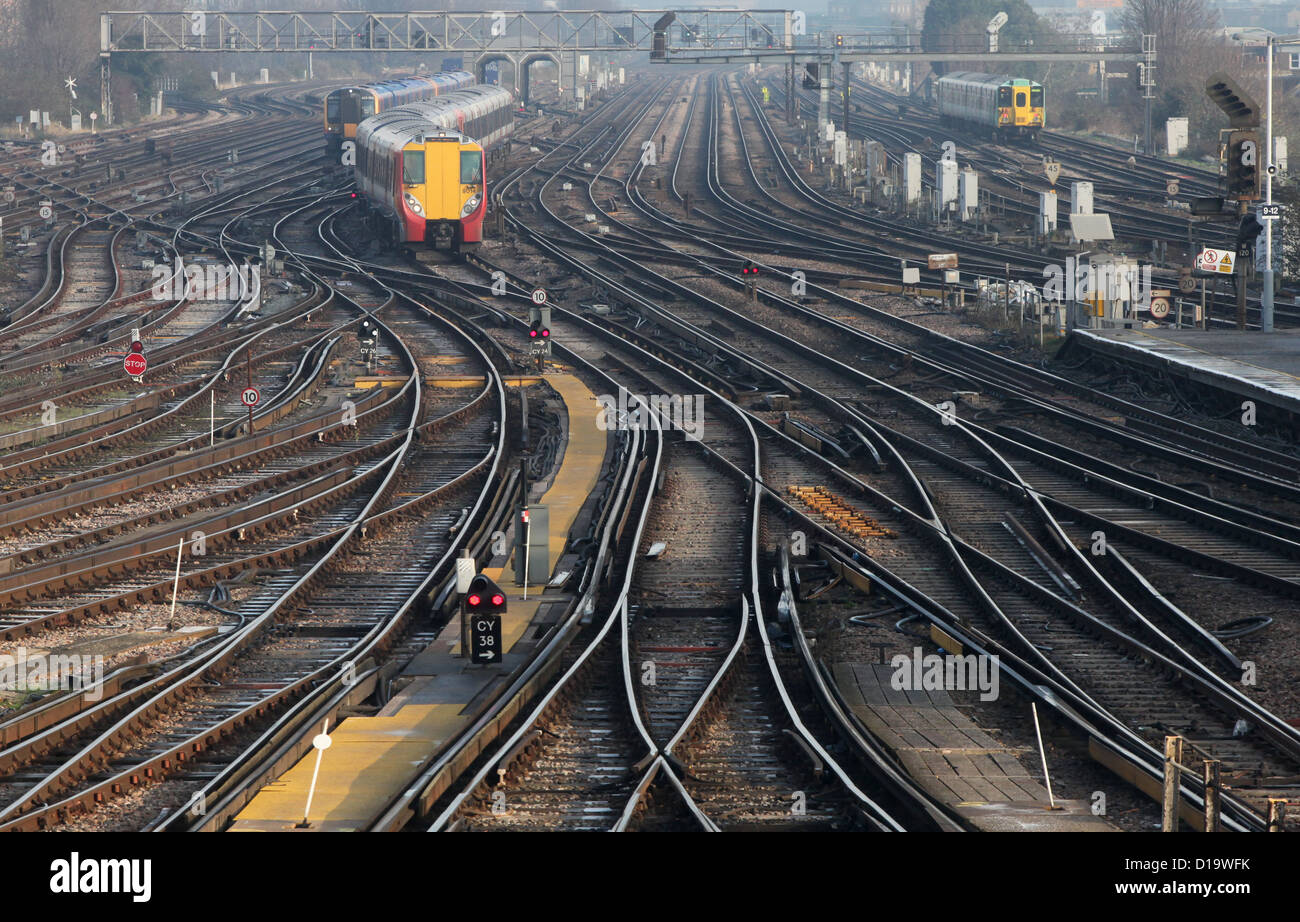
(354, 195)
(498, 600)
(532, 333)
(545, 333)
(137, 346)
(474, 600)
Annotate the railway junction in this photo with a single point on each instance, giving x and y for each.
(702, 445)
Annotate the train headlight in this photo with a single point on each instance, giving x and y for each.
(471, 205)
(413, 203)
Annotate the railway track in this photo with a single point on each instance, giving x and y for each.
(746, 346)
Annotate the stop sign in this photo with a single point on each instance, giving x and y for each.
(135, 364)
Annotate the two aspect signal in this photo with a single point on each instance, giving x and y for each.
(539, 322)
(485, 604)
(485, 597)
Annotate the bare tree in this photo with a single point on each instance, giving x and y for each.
(1184, 29)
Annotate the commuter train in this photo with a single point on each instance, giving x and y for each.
(346, 107)
(422, 168)
(1002, 107)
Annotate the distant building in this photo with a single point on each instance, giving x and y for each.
(1276, 16)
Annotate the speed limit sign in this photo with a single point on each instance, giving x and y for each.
(1160, 308)
(250, 397)
(539, 295)
(46, 212)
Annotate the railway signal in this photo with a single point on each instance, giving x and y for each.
(539, 328)
(485, 597)
(1243, 165)
(485, 603)
(839, 41)
(750, 273)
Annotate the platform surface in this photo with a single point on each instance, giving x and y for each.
(373, 759)
(1264, 366)
(954, 760)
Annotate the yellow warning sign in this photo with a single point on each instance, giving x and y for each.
(1217, 261)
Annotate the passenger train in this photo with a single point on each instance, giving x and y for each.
(1002, 107)
(422, 167)
(347, 106)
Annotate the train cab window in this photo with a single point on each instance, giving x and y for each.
(332, 107)
(367, 106)
(412, 167)
(1036, 96)
(471, 167)
(1004, 96)
(1020, 100)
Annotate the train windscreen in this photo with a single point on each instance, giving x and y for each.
(471, 168)
(332, 107)
(1004, 96)
(1036, 96)
(413, 167)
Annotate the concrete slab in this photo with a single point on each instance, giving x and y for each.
(955, 760)
(1262, 367)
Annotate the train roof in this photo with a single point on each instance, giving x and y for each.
(971, 76)
(409, 121)
(406, 81)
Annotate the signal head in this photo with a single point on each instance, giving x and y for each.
(137, 346)
(485, 597)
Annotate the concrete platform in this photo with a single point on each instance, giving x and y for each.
(1258, 366)
(373, 759)
(954, 760)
